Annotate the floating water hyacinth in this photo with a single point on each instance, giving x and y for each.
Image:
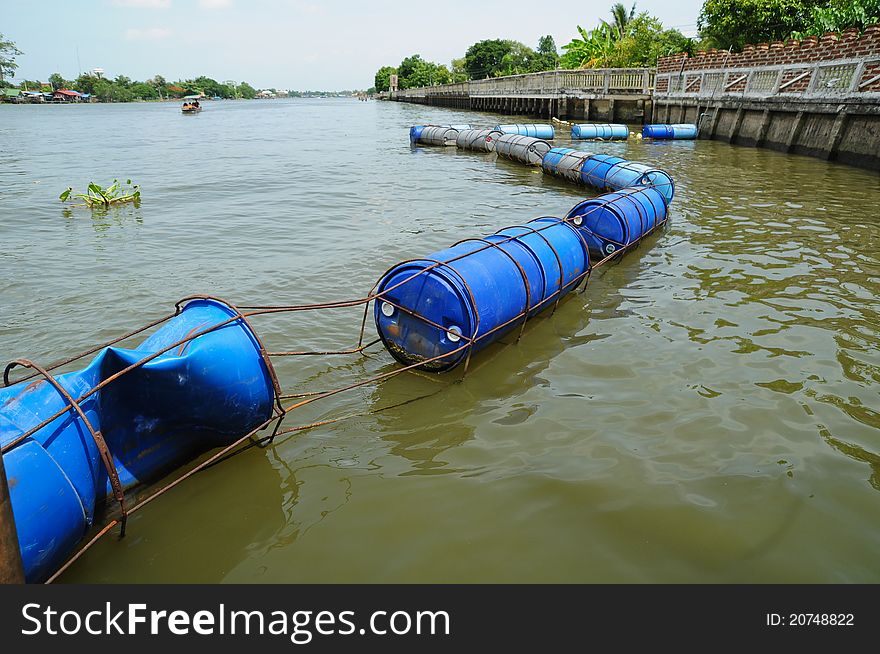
(96, 196)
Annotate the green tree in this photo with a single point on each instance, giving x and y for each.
(735, 23)
(622, 18)
(8, 53)
(382, 79)
(111, 91)
(414, 72)
(58, 82)
(839, 15)
(85, 84)
(594, 49)
(246, 91)
(518, 60)
(547, 57)
(459, 72)
(122, 81)
(483, 59)
(34, 85)
(144, 91)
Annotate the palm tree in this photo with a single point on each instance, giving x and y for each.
(622, 18)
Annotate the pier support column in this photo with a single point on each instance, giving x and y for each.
(836, 135)
(11, 571)
(587, 109)
(795, 131)
(713, 124)
(737, 123)
(612, 114)
(762, 131)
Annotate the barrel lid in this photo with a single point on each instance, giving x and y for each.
(438, 295)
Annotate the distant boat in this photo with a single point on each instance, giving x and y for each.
(191, 104)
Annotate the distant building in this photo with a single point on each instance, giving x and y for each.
(66, 95)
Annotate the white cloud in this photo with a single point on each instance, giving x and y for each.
(215, 4)
(147, 34)
(142, 4)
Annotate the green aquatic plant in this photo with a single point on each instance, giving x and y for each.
(96, 196)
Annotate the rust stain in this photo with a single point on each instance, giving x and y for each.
(188, 334)
(27, 389)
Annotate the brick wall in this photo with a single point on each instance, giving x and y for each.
(828, 47)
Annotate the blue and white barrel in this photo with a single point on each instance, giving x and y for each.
(436, 309)
(537, 131)
(604, 132)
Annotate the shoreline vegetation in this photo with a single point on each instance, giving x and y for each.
(633, 39)
(95, 87)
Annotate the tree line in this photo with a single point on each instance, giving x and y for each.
(632, 39)
(124, 89)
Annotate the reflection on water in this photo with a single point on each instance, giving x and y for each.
(707, 410)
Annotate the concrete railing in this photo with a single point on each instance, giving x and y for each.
(552, 83)
(823, 80)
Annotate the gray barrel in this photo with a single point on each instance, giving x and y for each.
(438, 136)
(525, 149)
(481, 140)
(566, 163)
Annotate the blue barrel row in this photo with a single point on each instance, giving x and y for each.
(602, 171)
(606, 172)
(438, 309)
(677, 131)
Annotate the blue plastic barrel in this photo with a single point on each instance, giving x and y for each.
(607, 172)
(565, 162)
(606, 132)
(531, 129)
(614, 220)
(597, 168)
(551, 160)
(201, 394)
(415, 132)
(478, 289)
(676, 131)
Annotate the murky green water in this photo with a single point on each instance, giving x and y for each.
(707, 411)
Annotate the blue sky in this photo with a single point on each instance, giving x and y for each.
(295, 44)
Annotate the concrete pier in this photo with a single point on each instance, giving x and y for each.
(818, 96)
(602, 94)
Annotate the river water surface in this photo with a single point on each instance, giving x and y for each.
(706, 411)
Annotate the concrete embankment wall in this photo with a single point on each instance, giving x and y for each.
(819, 96)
